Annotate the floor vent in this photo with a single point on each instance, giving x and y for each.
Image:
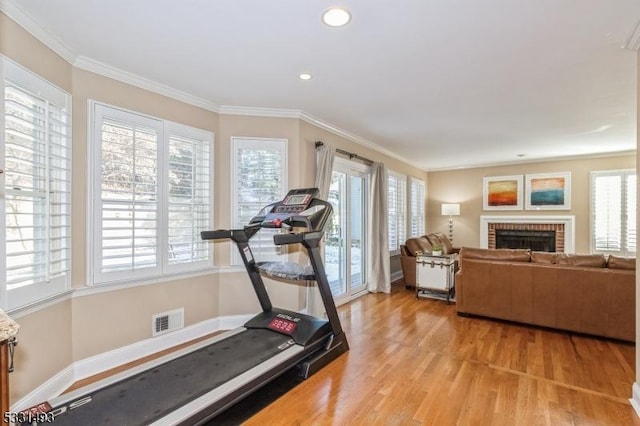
(167, 321)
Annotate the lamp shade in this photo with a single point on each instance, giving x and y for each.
(451, 209)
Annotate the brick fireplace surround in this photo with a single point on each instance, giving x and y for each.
(557, 227)
(562, 225)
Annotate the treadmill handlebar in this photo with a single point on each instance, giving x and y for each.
(298, 238)
(237, 235)
(217, 234)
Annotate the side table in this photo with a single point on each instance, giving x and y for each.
(435, 276)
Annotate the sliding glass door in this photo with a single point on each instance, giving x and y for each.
(346, 244)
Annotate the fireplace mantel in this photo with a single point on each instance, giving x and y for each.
(567, 221)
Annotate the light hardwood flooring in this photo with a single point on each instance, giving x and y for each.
(416, 362)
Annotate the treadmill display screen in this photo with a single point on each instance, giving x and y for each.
(282, 325)
(292, 200)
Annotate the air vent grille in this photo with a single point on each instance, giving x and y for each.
(167, 321)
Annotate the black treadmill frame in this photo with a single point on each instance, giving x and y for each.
(321, 349)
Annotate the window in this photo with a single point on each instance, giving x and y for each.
(35, 197)
(259, 168)
(613, 212)
(397, 202)
(417, 196)
(152, 182)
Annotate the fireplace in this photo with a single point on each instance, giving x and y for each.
(526, 239)
(561, 226)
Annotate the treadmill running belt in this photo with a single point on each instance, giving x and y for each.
(154, 393)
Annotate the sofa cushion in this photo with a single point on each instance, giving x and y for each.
(417, 246)
(616, 262)
(507, 255)
(586, 260)
(442, 240)
(544, 257)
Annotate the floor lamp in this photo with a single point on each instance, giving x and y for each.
(451, 210)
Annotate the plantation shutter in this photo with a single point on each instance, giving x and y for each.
(614, 212)
(630, 210)
(417, 194)
(37, 187)
(189, 199)
(259, 167)
(396, 200)
(128, 195)
(152, 196)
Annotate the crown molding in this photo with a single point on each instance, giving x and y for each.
(633, 40)
(260, 112)
(357, 139)
(17, 14)
(114, 73)
(13, 11)
(535, 160)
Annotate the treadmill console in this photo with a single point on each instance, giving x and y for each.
(283, 323)
(296, 202)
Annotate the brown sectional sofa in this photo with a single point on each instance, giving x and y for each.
(414, 246)
(590, 294)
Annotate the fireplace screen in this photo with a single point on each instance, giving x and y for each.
(519, 239)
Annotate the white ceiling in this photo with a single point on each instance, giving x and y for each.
(439, 83)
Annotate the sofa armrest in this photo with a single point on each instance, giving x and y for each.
(408, 264)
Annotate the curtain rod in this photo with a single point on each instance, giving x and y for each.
(347, 153)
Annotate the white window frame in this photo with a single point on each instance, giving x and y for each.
(277, 144)
(400, 205)
(27, 81)
(419, 215)
(165, 130)
(624, 220)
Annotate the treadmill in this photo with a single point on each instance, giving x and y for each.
(193, 385)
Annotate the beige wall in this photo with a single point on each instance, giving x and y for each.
(44, 348)
(465, 187)
(20, 46)
(90, 323)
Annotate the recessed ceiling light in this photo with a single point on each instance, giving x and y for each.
(305, 76)
(336, 17)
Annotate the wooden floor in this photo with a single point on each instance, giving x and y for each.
(415, 362)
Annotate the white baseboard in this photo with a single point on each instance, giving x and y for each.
(52, 387)
(396, 276)
(107, 360)
(635, 400)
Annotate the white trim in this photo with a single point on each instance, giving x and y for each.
(567, 221)
(54, 386)
(20, 17)
(260, 112)
(395, 276)
(355, 138)
(107, 360)
(635, 400)
(135, 80)
(34, 307)
(533, 160)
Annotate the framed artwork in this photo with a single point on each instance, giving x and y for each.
(502, 193)
(548, 191)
